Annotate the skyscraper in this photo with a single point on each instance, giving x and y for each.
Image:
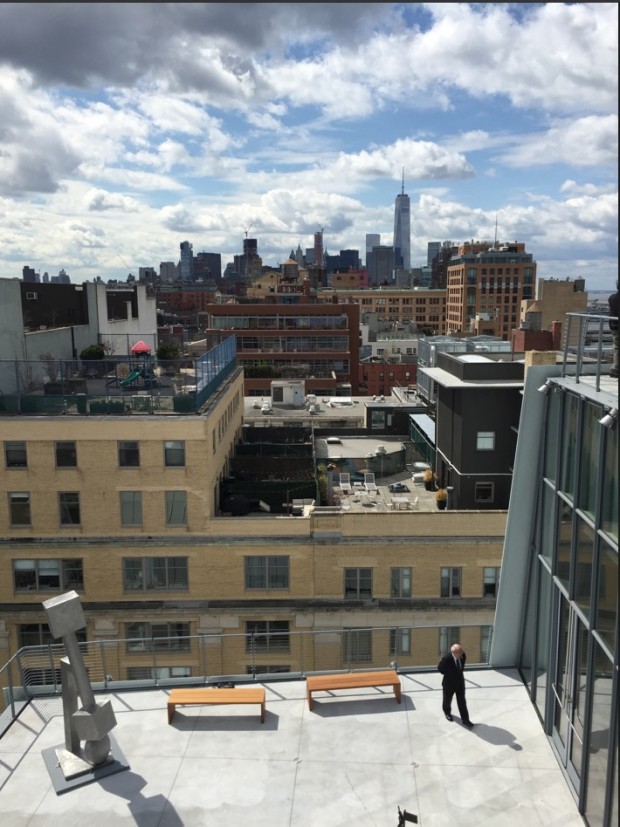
(402, 229)
(186, 261)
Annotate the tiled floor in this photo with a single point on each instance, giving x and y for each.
(353, 760)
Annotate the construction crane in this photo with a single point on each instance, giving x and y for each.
(248, 228)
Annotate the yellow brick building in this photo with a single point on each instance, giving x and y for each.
(125, 510)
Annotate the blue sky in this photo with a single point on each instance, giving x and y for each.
(128, 128)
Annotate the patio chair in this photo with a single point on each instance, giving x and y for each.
(369, 482)
(345, 483)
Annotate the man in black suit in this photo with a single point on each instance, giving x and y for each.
(452, 667)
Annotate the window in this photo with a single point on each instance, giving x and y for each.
(157, 673)
(448, 636)
(400, 583)
(66, 455)
(19, 508)
(400, 642)
(155, 573)
(266, 669)
(267, 636)
(484, 492)
(38, 634)
(47, 575)
(128, 454)
(15, 455)
(490, 582)
(69, 504)
(450, 582)
(131, 507)
(357, 645)
(174, 454)
(176, 507)
(485, 441)
(160, 637)
(267, 572)
(358, 583)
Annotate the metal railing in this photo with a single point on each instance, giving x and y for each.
(586, 334)
(133, 663)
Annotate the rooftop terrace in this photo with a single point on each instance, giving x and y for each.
(354, 760)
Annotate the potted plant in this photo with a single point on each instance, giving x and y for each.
(429, 479)
(441, 495)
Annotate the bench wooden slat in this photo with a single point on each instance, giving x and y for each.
(353, 680)
(200, 697)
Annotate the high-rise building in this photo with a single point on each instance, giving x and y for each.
(488, 281)
(318, 248)
(402, 230)
(30, 275)
(381, 267)
(433, 249)
(372, 240)
(185, 265)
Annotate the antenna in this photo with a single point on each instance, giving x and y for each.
(403, 187)
(495, 242)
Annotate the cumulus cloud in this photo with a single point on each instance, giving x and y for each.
(101, 200)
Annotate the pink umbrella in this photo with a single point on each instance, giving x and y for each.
(140, 347)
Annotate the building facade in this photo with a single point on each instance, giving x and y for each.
(489, 281)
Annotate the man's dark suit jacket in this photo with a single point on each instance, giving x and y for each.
(453, 678)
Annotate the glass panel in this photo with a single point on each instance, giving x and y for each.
(552, 439)
(49, 574)
(15, 455)
(176, 507)
(24, 575)
(19, 506)
(607, 601)
(609, 517)
(583, 567)
(565, 532)
(569, 445)
(542, 638)
(128, 454)
(599, 740)
(174, 452)
(589, 460)
(72, 574)
(562, 681)
(66, 455)
(255, 573)
(277, 568)
(69, 508)
(547, 539)
(578, 703)
(131, 507)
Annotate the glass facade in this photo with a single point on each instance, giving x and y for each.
(568, 651)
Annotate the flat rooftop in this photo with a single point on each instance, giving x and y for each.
(353, 760)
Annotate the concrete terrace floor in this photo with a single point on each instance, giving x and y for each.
(353, 760)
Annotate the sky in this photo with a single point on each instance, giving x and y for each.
(127, 128)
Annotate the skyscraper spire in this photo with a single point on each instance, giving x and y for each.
(402, 192)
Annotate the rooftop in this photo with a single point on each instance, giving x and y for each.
(354, 760)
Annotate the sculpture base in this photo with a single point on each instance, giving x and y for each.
(68, 771)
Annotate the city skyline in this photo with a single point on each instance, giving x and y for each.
(129, 128)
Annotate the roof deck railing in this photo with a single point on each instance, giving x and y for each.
(584, 345)
(207, 660)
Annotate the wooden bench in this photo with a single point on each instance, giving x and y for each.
(202, 696)
(352, 680)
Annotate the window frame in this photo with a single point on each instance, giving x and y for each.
(267, 636)
(134, 506)
(15, 507)
(66, 453)
(147, 641)
(276, 569)
(454, 574)
(66, 507)
(485, 440)
(398, 574)
(125, 454)
(176, 501)
(490, 487)
(11, 449)
(357, 591)
(146, 569)
(400, 641)
(172, 450)
(65, 566)
(495, 581)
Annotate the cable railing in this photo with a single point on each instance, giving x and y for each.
(263, 654)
